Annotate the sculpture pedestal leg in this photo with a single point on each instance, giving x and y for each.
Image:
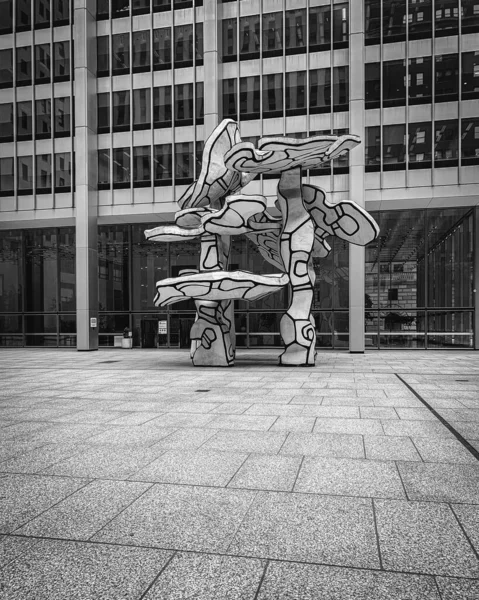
(210, 335)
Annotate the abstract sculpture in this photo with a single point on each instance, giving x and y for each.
(213, 209)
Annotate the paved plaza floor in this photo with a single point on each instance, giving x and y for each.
(129, 474)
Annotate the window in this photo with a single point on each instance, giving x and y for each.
(24, 66)
(42, 63)
(42, 13)
(319, 28)
(394, 89)
(63, 172)
(373, 84)
(446, 17)
(24, 120)
(394, 21)
(6, 122)
(295, 93)
(249, 37)
(61, 12)
(200, 108)
(184, 163)
(340, 25)
(420, 145)
(447, 78)
(295, 34)
(184, 104)
(24, 15)
(141, 51)
(62, 117)
(102, 10)
(340, 88)
(373, 149)
(420, 19)
(230, 40)
(162, 49)
(163, 164)
(142, 166)
(420, 80)
(6, 69)
(230, 94)
(162, 106)
(103, 56)
(121, 168)
(43, 119)
(372, 25)
(184, 46)
(272, 95)
(120, 54)
(44, 174)
(161, 5)
(140, 7)
(250, 92)
(470, 141)
(199, 44)
(6, 16)
(25, 175)
(394, 147)
(470, 16)
(121, 111)
(61, 54)
(200, 146)
(103, 169)
(120, 8)
(470, 75)
(103, 114)
(6, 177)
(142, 108)
(273, 34)
(446, 143)
(320, 91)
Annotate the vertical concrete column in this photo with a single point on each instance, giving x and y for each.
(86, 195)
(211, 34)
(356, 172)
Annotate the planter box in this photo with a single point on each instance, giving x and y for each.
(127, 343)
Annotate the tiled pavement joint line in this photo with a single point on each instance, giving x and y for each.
(261, 580)
(272, 424)
(446, 424)
(237, 470)
(381, 567)
(464, 531)
(416, 448)
(284, 442)
(242, 520)
(402, 482)
(297, 474)
(155, 579)
(437, 587)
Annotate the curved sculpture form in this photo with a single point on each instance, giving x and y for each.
(213, 209)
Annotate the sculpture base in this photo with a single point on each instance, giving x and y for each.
(211, 336)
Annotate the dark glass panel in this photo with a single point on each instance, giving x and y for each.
(141, 51)
(200, 146)
(6, 122)
(373, 84)
(61, 12)
(273, 34)
(341, 25)
(7, 186)
(6, 69)
(446, 143)
(163, 164)
(42, 13)
(250, 92)
(470, 141)
(162, 49)
(42, 63)
(25, 175)
(62, 117)
(9, 324)
(470, 75)
(43, 174)
(120, 8)
(373, 148)
(67, 292)
(43, 119)
(149, 265)
(102, 9)
(470, 16)
(103, 56)
(420, 80)
(295, 31)
(447, 78)
(183, 46)
(295, 93)
(200, 107)
(394, 147)
(340, 88)
(341, 164)
(230, 95)
(113, 279)
(24, 15)
(450, 329)
(121, 111)
(229, 40)
(372, 16)
(319, 28)
(121, 168)
(184, 163)
(142, 108)
(41, 270)
(420, 19)
(140, 7)
(199, 45)
(401, 329)
(446, 17)
(120, 53)
(320, 90)
(63, 172)
(272, 95)
(142, 166)
(103, 123)
(61, 53)
(6, 16)
(104, 169)
(11, 271)
(420, 145)
(249, 37)
(394, 88)
(68, 324)
(394, 20)
(162, 106)
(180, 4)
(24, 66)
(40, 324)
(24, 120)
(161, 5)
(184, 104)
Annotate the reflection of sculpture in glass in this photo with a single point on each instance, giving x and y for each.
(213, 209)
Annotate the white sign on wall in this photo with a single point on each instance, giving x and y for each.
(162, 327)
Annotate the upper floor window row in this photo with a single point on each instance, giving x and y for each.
(40, 119)
(20, 15)
(271, 35)
(25, 67)
(392, 20)
(41, 174)
(182, 48)
(123, 8)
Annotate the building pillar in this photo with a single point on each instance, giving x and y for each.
(212, 85)
(86, 195)
(356, 173)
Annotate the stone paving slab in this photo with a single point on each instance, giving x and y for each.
(267, 472)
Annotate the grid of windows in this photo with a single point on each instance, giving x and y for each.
(42, 173)
(35, 120)
(123, 8)
(46, 13)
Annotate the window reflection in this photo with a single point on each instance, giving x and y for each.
(199, 44)
(120, 8)
(42, 13)
(319, 28)
(200, 109)
(162, 49)
(62, 117)
(104, 169)
(184, 104)
(113, 279)
(394, 89)
(470, 75)
(163, 164)
(121, 111)
(25, 175)
(103, 56)
(373, 149)
(41, 271)
(140, 7)
(249, 41)
(24, 120)
(420, 80)
(162, 106)
(6, 69)
(63, 172)
(43, 120)
(394, 20)
(42, 63)
(273, 34)
(24, 66)
(141, 51)
(250, 98)
(420, 19)
(446, 143)
(394, 147)
(103, 116)
(142, 166)
(470, 16)
(272, 95)
(446, 17)
(121, 167)
(340, 89)
(6, 181)
(184, 163)
(230, 40)
(320, 90)
(6, 16)
(142, 108)
(61, 61)
(420, 145)
(120, 53)
(447, 78)
(24, 15)
(6, 122)
(295, 28)
(470, 141)
(184, 46)
(340, 25)
(61, 12)
(229, 98)
(44, 173)
(373, 84)
(296, 93)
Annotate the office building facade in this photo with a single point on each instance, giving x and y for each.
(104, 111)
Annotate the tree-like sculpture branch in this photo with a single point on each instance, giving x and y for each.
(213, 209)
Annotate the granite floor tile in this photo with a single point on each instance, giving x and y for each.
(194, 467)
(232, 408)
(387, 447)
(181, 518)
(275, 410)
(349, 477)
(83, 513)
(185, 439)
(135, 418)
(41, 458)
(267, 442)
(351, 426)
(304, 424)
(331, 412)
(378, 412)
(423, 537)
(468, 430)
(56, 570)
(242, 422)
(267, 472)
(430, 429)
(176, 420)
(139, 436)
(444, 451)
(324, 444)
(12, 547)
(292, 581)
(26, 496)
(469, 518)
(453, 588)
(415, 414)
(208, 577)
(441, 482)
(302, 527)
